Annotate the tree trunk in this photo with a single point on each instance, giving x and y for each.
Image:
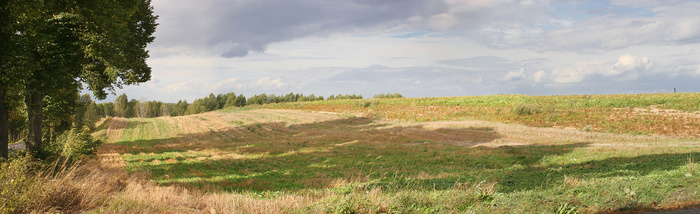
(4, 128)
(34, 101)
(5, 45)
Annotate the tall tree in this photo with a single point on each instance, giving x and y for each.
(107, 109)
(91, 116)
(5, 45)
(121, 104)
(4, 123)
(99, 43)
(12, 56)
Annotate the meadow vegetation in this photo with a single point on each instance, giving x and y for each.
(489, 154)
(659, 114)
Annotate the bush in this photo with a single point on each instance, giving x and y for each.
(524, 110)
(366, 104)
(18, 187)
(387, 96)
(73, 144)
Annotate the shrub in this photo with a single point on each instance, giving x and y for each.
(388, 95)
(524, 110)
(18, 187)
(73, 144)
(366, 104)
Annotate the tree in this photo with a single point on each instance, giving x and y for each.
(155, 108)
(179, 108)
(107, 109)
(5, 45)
(99, 43)
(164, 110)
(240, 101)
(131, 108)
(209, 103)
(58, 112)
(80, 110)
(12, 57)
(121, 104)
(142, 108)
(91, 115)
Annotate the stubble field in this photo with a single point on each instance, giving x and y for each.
(507, 154)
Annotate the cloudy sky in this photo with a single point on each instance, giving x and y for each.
(422, 48)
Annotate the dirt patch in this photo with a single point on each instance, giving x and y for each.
(655, 110)
(521, 135)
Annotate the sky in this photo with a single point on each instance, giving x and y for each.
(421, 48)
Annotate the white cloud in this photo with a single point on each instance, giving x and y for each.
(655, 23)
(625, 68)
(515, 75)
(576, 72)
(442, 21)
(539, 76)
(226, 85)
(628, 63)
(425, 48)
(642, 3)
(236, 28)
(266, 83)
(178, 87)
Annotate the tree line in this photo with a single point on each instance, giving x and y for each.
(123, 107)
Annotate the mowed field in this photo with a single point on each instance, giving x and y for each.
(415, 156)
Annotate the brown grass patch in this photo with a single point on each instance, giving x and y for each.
(116, 129)
(571, 181)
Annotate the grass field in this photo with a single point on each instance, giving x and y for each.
(490, 154)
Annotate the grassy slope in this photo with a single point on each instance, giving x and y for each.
(337, 163)
(629, 113)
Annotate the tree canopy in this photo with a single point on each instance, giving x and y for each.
(54, 47)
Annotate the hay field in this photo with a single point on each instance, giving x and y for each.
(350, 157)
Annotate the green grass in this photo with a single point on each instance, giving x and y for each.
(607, 113)
(361, 165)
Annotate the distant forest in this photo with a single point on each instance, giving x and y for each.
(123, 107)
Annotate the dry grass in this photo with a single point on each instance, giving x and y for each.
(90, 187)
(660, 114)
(282, 161)
(116, 129)
(281, 141)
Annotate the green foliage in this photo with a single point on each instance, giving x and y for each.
(524, 110)
(17, 116)
(179, 108)
(18, 188)
(60, 110)
(388, 95)
(107, 109)
(366, 104)
(73, 145)
(121, 105)
(86, 112)
(566, 208)
(345, 97)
